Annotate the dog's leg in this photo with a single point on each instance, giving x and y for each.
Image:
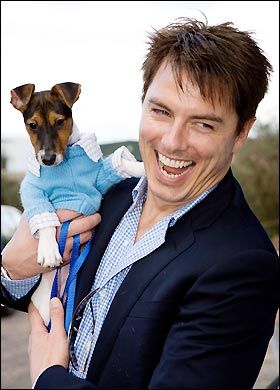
(133, 168)
(41, 296)
(48, 253)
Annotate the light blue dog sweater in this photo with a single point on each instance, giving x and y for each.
(77, 183)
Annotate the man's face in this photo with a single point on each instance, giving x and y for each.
(186, 144)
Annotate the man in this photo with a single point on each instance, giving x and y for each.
(179, 289)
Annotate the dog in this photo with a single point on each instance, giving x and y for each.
(66, 171)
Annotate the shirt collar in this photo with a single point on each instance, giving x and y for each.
(140, 190)
(176, 215)
(87, 141)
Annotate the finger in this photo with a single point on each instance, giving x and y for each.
(36, 322)
(84, 238)
(83, 224)
(57, 316)
(66, 215)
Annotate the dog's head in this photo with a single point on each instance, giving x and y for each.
(48, 118)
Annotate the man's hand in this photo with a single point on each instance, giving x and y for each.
(47, 349)
(19, 257)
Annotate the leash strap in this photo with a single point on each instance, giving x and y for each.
(76, 262)
(70, 287)
(61, 247)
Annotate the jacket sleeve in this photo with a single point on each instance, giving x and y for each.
(220, 336)
(57, 377)
(20, 303)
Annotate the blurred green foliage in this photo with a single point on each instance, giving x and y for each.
(256, 167)
(9, 187)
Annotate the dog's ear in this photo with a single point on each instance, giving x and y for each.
(69, 92)
(21, 96)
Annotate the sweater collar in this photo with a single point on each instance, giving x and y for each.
(87, 141)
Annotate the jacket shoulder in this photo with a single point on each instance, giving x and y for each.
(124, 188)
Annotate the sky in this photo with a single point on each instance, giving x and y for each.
(101, 45)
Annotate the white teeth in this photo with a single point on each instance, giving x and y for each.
(173, 163)
(169, 175)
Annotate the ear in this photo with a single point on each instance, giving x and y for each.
(68, 92)
(243, 135)
(21, 96)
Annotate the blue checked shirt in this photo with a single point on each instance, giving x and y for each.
(116, 262)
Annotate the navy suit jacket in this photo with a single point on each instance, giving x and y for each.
(196, 313)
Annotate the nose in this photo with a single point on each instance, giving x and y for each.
(49, 159)
(175, 138)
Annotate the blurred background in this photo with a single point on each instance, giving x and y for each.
(101, 45)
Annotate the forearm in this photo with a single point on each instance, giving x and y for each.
(19, 257)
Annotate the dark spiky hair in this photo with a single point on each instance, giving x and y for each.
(224, 62)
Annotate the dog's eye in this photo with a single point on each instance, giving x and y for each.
(59, 122)
(33, 126)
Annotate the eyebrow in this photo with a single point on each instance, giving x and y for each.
(209, 117)
(212, 118)
(158, 103)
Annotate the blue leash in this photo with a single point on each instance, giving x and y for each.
(76, 262)
(61, 247)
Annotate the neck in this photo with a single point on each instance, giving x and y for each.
(153, 211)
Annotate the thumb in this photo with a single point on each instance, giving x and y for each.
(57, 316)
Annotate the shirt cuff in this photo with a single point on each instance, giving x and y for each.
(117, 164)
(40, 221)
(18, 288)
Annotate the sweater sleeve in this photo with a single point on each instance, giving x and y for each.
(114, 170)
(37, 205)
(34, 199)
(107, 176)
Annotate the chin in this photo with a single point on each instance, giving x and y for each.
(166, 192)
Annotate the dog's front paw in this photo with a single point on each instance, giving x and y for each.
(48, 253)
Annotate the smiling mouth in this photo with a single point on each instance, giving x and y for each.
(173, 168)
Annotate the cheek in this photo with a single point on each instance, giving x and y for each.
(62, 140)
(221, 152)
(213, 147)
(150, 130)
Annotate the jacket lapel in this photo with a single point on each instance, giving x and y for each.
(139, 276)
(111, 213)
(178, 239)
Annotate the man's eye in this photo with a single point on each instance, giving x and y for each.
(160, 111)
(205, 126)
(59, 122)
(33, 126)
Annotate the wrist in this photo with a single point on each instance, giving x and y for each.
(10, 274)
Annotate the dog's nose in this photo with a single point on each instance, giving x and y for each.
(49, 160)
